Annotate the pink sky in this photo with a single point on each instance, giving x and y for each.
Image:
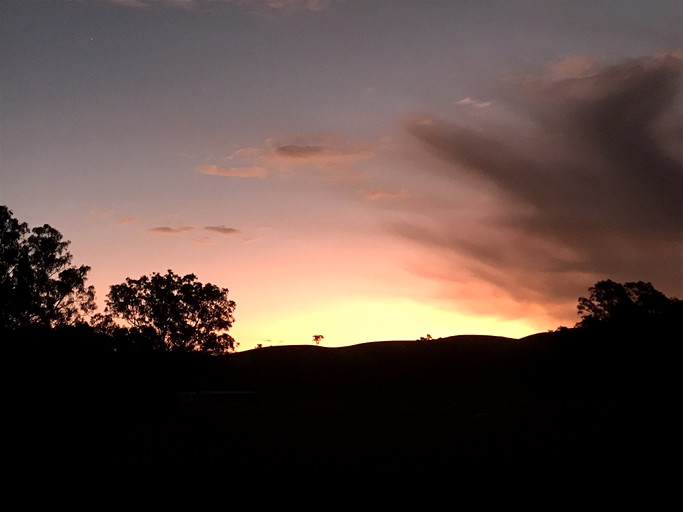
(362, 170)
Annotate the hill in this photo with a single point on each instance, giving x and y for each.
(561, 401)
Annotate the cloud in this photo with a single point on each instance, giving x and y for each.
(171, 230)
(302, 152)
(384, 194)
(205, 240)
(330, 154)
(127, 221)
(320, 156)
(222, 230)
(233, 172)
(473, 103)
(586, 185)
(570, 67)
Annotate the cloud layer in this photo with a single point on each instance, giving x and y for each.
(586, 183)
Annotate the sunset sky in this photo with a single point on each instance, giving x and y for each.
(367, 170)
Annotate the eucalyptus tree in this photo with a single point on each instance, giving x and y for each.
(38, 283)
(179, 312)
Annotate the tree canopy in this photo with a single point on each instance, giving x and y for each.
(38, 284)
(178, 313)
(629, 304)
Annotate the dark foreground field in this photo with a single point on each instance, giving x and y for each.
(554, 402)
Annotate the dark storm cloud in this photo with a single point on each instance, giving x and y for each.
(590, 183)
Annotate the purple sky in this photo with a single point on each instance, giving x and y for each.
(365, 170)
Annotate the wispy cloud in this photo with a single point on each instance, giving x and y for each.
(384, 194)
(205, 240)
(470, 102)
(570, 67)
(169, 230)
(233, 172)
(330, 154)
(319, 156)
(223, 230)
(587, 184)
(127, 221)
(176, 230)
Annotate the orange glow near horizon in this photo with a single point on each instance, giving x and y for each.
(351, 322)
(350, 288)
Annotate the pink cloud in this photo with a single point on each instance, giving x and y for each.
(233, 172)
(470, 102)
(384, 195)
(324, 152)
(205, 240)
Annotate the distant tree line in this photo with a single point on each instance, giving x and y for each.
(39, 287)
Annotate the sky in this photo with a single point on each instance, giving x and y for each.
(365, 170)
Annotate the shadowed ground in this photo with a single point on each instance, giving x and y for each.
(563, 402)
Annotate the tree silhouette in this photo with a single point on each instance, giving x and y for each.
(631, 303)
(38, 285)
(175, 312)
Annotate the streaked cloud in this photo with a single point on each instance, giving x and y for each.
(586, 185)
(169, 230)
(233, 172)
(223, 230)
(331, 154)
(320, 156)
(127, 221)
(384, 194)
(570, 67)
(175, 230)
(205, 240)
(470, 102)
(292, 151)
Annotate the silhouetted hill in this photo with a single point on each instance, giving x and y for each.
(561, 401)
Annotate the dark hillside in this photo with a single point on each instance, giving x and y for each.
(570, 400)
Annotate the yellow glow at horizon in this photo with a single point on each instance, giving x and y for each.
(352, 322)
